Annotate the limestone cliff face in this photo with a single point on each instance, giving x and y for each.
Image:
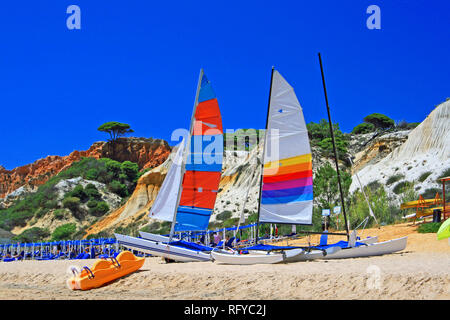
(147, 153)
(426, 150)
(370, 148)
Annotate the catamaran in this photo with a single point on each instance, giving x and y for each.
(188, 193)
(286, 194)
(353, 248)
(286, 185)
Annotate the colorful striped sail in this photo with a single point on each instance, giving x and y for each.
(203, 163)
(287, 189)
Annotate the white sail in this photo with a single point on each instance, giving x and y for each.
(286, 195)
(166, 201)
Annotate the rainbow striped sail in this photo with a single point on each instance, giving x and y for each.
(203, 162)
(287, 186)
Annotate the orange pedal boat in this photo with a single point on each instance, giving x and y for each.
(105, 271)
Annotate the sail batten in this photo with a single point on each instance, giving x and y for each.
(287, 185)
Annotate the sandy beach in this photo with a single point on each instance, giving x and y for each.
(421, 271)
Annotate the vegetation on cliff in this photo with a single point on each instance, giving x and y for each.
(380, 122)
(119, 178)
(320, 135)
(115, 129)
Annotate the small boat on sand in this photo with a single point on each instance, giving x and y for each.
(105, 271)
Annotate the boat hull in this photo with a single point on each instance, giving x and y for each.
(255, 258)
(313, 254)
(369, 240)
(373, 249)
(161, 249)
(153, 237)
(105, 271)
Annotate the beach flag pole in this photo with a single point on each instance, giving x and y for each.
(334, 150)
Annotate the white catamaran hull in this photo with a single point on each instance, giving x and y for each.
(160, 249)
(369, 240)
(374, 249)
(255, 258)
(153, 237)
(313, 254)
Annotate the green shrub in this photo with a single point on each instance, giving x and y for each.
(431, 227)
(92, 192)
(326, 189)
(71, 203)
(412, 125)
(380, 121)
(64, 232)
(230, 222)
(130, 169)
(224, 215)
(118, 188)
(401, 186)
(90, 186)
(51, 204)
(40, 213)
(424, 176)
(100, 209)
(319, 131)
(112, 166)
(34, 234)
(92, 174)
(78, 192)
(152, 228)
(59, 213)
(374, 185)
(385, 211)
(363, 128)
(92, 203)
(326, 145)
(394, 179)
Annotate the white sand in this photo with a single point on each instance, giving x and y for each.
(397, 276)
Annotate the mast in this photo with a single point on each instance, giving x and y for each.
(262, 162)
(334, 150)
(186, 149)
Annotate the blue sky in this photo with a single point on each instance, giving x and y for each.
(138, 62)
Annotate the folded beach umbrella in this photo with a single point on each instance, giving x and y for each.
(444, 230)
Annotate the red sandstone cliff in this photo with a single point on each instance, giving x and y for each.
(147, 153)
